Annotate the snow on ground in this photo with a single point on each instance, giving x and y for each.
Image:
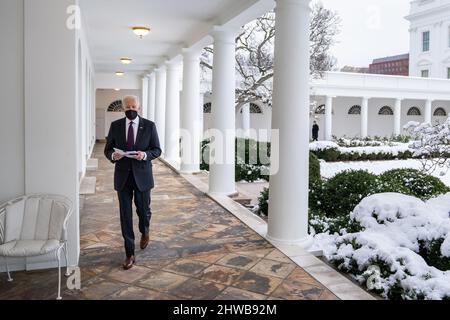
(330, 169)
(393, 225)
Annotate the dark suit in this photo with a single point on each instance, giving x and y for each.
(133, 177)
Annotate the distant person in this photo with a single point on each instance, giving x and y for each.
(315, 131)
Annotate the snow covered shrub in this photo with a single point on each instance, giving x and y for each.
(249, 172)
(263, 203)
(345, 190)
(249, 166)
(412, 182)
(314, 168)
(319, 223)
(404, 238)
(431, 145)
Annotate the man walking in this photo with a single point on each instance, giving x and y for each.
(315, 131)
(133, 175)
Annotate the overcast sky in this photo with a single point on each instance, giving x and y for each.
(370, 29)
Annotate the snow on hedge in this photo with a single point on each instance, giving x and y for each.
(394, 148)
(395, 229)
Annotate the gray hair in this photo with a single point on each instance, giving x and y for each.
(124, 99)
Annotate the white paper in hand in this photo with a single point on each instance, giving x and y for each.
(128, 154)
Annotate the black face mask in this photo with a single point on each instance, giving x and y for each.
(131, 114)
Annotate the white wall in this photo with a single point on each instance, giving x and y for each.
(104, 97)
(437, 21)
(45, 108)
(12, 136)
(50, 130)
(378, 125)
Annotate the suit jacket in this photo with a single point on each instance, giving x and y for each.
(146, 141)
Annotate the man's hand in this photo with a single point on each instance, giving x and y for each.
(116, 156)
(140, 156)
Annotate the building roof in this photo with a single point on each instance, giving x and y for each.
(391, 58)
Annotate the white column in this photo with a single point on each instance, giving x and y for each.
(50, 133)
(246, 120)
(173, 112)
(428, 105)
(201, 125)
(144, 99)
(329, 118)
(221, 174)
(288, 204)
(364, 116)
(190, 113)
(151, 97)
(160, 105)
(397, 117)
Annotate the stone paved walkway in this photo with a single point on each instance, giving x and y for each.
(197, 251)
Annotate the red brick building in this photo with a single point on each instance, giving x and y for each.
(395, 65)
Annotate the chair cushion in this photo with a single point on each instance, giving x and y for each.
(35, 219)
(26, 248)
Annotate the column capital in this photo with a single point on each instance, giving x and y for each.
(287, 3)
(171, 65)
(191, 53)
(161, 68)
(225, 34)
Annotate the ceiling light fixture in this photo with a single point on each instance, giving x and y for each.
(116, 89)
(125, 60)
(141, 31)
(120, 73)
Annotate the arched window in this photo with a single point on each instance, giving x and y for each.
(386, 111)
(320, 109)
(440, 112)
(207, 107)
(355, 110)
(414, 111)
(116, 106)
(254, 108)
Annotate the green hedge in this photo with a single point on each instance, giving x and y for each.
(333, 155)
(412, 182)
(338, 196)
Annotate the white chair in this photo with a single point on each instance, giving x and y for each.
(35, 225)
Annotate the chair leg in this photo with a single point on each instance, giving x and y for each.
(66, 255)
(58, 256)
(7, 270)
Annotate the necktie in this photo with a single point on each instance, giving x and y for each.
(130, 139)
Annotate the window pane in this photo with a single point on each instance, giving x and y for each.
(426, 41)
(425, 73)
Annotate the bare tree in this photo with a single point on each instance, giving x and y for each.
(431, 145)
(255, 53)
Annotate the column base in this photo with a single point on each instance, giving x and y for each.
(226, 194)
(304, 243)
